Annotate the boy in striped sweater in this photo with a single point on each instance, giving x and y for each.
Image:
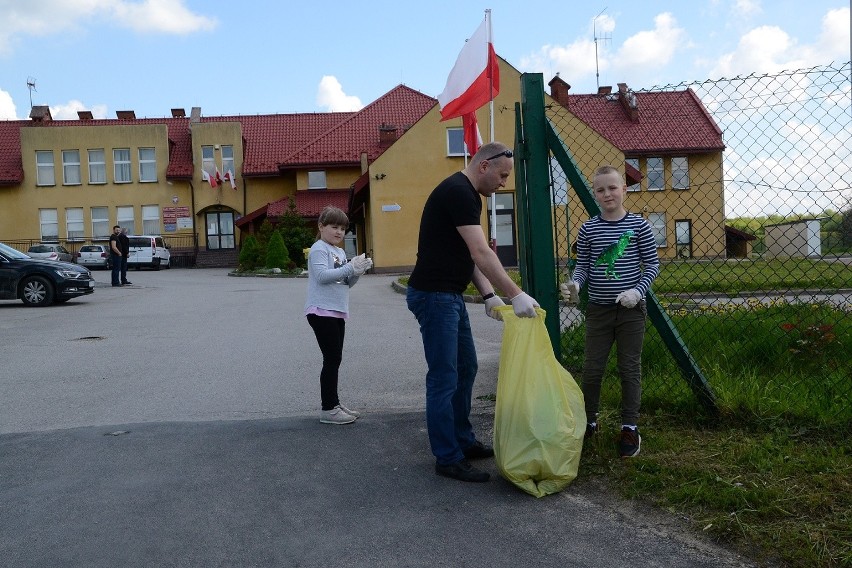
(617, 259)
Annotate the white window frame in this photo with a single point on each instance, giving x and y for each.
(559, 183)
(122, 170)
(97, 166)
(655, 174)
(208, 161)
(317, 179)
(71, 174)
(147, 165)
(75, 226)
(228, 159)
(48, 220)
(455, 141)
(100, 223)
(151, 220)
(680, 172)
(45, 169)
(635, 163)
(658, 228)
(124, 218)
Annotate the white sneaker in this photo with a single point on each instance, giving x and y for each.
(336, 416)
(352, 413)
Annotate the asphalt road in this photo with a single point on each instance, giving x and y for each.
(175, 423)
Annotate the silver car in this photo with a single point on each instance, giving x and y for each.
(94, 256)
(50, 252)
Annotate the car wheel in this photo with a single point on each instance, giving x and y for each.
(156, 264)
(36, 291)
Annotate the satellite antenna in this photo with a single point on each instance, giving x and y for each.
(605, 37)
(31, 86)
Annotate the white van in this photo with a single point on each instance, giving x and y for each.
(150, 251)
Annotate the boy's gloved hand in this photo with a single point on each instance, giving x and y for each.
(524, 305)
(361, 264)
(492, 303)
(570, 292)
(629, 298)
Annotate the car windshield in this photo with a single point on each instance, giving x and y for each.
(90, 249)
(40, 248)
(10, 252)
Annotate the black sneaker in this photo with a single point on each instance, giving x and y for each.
(126, 283)
(463, 471)
(478, 451)
(629, 442)
(592, 429)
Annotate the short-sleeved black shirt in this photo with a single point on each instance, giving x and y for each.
(443, 262)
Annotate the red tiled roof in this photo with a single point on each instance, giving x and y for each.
(669, 121)
(11, 168)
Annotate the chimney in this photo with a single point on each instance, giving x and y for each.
(195, 115)
(628, 102)
(387, 134)
(41, 114)
(85, 115)
(559, 90)
(604, 90)
(125, 114)
(178, 113)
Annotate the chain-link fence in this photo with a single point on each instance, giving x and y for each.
(747, 185)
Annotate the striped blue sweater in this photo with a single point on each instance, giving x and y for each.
(636, 268)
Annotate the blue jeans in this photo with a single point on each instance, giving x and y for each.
(452, 366)
(116, 268)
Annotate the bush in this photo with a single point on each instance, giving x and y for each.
(250, 254)
(296, 234)
(276, 253)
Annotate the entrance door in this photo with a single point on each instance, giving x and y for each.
(220, 230)
(507, 248)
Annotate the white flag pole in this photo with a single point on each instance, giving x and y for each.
(491, 121)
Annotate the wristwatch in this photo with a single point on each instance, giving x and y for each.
(488, 296)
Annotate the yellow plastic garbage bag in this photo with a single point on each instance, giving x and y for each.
(540, 417)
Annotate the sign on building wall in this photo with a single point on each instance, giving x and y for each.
(175, 218)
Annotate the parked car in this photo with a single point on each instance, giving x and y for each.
(50, 252)
(94, 255)
(39, 282)
(149, 251)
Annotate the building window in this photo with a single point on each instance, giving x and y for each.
(71, 167)
(208, 161)
(44, 168)
(74, 224)
(455, 142)
(680, 173)
(228, 159)
(316, 180)
(634, 163)
(100, 223)
(559, 183)
(147, 165)
(683, 238)
(124, 218)
(49, 224)
(150, 219)
(658, 227)
(220, 230)
(121, 163)
(97, 166)
(656, 181)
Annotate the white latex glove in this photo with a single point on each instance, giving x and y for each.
(492, 303)
(629, 298)
(524, 305)
(570, 292)
(360, 264)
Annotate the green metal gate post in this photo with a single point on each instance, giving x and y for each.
(539, 275)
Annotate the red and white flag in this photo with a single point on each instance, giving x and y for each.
(218, 177)
(229, 177)
(209, 179)
(472, 138)
(475, 78)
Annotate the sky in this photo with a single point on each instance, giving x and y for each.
(264, 56)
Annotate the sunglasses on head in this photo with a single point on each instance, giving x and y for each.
(506, 153)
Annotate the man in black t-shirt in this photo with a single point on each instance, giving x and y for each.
(115, 254)
(451, 253)
(125, 254)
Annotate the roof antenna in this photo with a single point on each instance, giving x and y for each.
(31, 86)
(605, 37)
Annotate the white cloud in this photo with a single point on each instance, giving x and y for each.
(7, 106)
(331, 96)
(745, 8)
(68, 111)
(652, 49)
(50, 17)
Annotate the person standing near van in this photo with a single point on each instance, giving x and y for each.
(125, 254)
(115, 254)
(327, 306)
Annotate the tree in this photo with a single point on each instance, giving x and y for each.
(296, 234)
(250, 254)
(276, 253)
(846, 228)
